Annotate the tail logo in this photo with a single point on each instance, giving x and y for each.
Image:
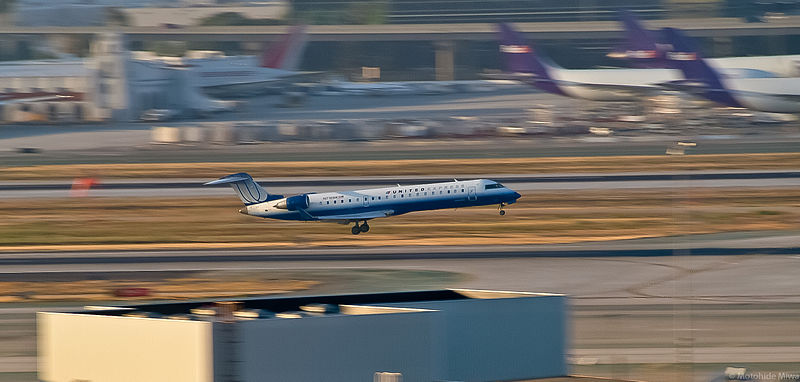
(682, 56)
(515, 49)
(641, 54)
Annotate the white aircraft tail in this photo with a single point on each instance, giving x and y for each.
(244, 185)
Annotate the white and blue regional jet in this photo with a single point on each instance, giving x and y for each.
(359, 206)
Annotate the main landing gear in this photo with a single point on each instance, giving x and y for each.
(360, 228)
(502, 211)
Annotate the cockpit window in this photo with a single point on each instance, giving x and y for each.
(491, 186)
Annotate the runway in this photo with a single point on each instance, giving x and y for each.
(524, 182)
(652, 301)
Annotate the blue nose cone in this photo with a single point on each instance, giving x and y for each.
(517, 195)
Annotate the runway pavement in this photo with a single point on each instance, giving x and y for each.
(732, 243)
(130, 142)
(624, 310)
(649, 301)
(529, 182)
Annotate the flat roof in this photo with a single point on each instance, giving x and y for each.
(55, 68)
(293, 304)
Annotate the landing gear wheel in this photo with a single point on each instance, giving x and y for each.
(355, 230)
(365, 228)
(502, 212)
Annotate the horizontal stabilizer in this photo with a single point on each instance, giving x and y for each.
(240, 177)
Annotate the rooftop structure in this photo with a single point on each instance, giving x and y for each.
(429, 335)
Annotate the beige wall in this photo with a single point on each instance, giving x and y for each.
(83, 347)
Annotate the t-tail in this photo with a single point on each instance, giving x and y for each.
(286, 52)
(641, 47)
(247, 189)
(701, 78)
(519, 58)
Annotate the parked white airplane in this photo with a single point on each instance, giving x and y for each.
(362, 205)
(774, 95)
(524, 64)
(235, 75)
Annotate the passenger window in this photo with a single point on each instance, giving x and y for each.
(328, 202)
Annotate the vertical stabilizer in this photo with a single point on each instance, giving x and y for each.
(244, 185)
(684, 56)
(641, 47)
(519, 57)
(285, 53)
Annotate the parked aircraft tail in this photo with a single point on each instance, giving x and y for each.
(641, 46)
(700, 77)
(520, 58)
(286, 52)
(247, 189)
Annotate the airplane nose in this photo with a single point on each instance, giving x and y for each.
(517, 195)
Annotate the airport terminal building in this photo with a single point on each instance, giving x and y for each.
(440, 335)
(109, 85)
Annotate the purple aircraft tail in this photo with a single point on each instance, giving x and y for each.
(519, 57)
(641, 47)
(685, 57)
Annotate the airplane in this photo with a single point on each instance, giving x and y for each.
(646, 49)
(223, 75)
(362, 205)
(773, 95)
(523, 63)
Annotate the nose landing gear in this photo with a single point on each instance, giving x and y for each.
(502, 211)
(360, 228)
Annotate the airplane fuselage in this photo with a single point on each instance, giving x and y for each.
(389, 201)
(774, 95)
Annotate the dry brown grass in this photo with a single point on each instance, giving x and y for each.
(409, 167)
(539, 217)
(209, 285)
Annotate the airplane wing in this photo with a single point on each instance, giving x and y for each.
(699, 89)
(522, 77)
(49, 97)
(354, 217)
(296, 77)
(620, 88)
